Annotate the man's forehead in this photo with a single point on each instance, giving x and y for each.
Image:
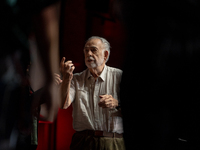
(94, 42)
(90, 46)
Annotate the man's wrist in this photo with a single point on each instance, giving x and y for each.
(66, 81)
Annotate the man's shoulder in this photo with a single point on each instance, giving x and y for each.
(114, 70)
(80, 74)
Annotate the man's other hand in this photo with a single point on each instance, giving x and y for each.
(107, 101)
(57, 79)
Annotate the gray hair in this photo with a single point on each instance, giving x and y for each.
(105, 42)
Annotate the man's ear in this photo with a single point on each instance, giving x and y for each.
(105, 55)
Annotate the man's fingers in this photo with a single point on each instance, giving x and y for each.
(58, 81)
(106, 101)
(68, 65)
(69, 62)
(56, 75)
(104, 97)
(62, 64)
(101, 96)
(72, 68)
(62, 61)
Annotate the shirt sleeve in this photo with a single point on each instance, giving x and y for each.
(72, 90)
(118, 84)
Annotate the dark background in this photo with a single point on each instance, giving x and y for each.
(160, 83)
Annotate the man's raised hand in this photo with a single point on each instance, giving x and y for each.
(66, 69)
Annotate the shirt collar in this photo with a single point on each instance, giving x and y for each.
(88, 74)
(102, 75)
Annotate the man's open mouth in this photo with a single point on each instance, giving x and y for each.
(90, 60)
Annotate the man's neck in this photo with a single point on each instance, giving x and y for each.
(96, 72)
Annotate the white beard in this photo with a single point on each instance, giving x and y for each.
(94, 64)
(91, 65)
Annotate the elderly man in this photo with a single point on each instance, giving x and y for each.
(94, 94)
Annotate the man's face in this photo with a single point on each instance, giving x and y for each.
(94, 53)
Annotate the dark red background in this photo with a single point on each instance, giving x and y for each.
(79, 22)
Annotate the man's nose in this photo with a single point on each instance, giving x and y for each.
(89, 53)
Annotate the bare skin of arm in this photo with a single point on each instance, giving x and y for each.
(66, 69)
